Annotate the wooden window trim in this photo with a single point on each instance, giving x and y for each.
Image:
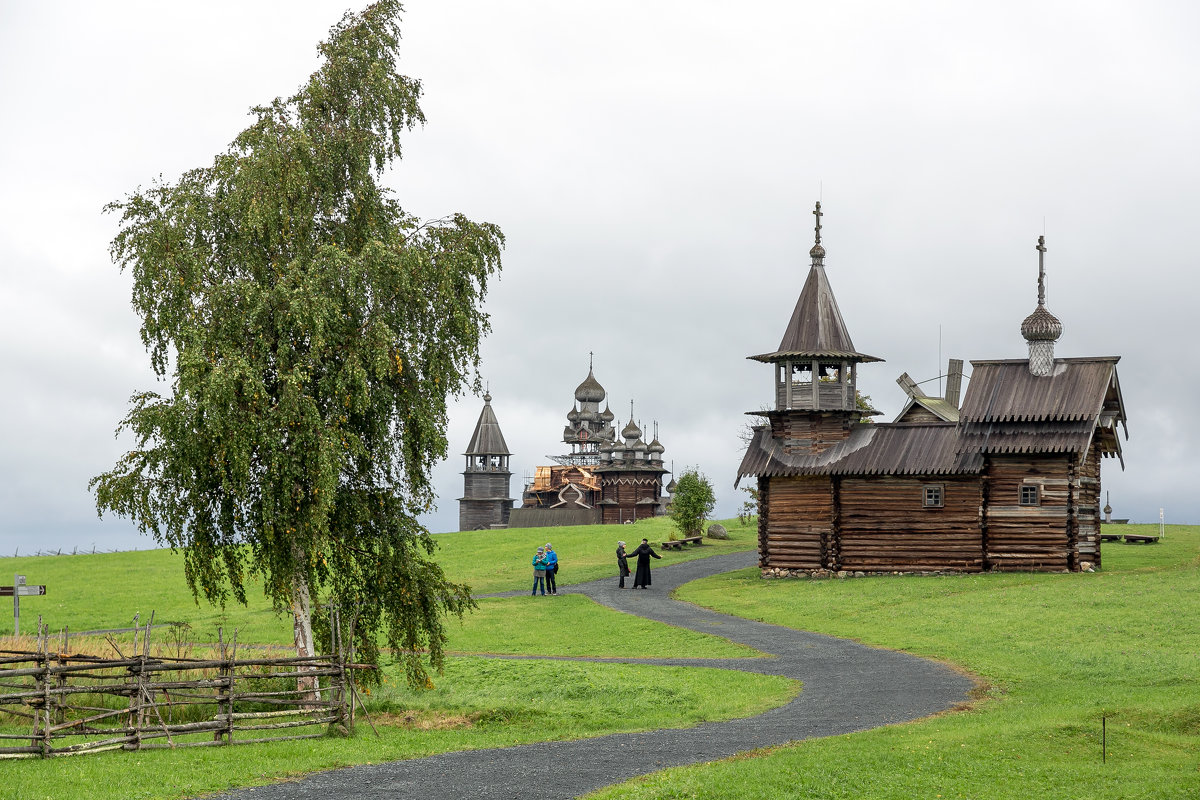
(926, 490)
(1030, 488)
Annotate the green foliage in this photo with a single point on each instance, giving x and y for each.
(749, 508)
(312, 331)
(692, 502)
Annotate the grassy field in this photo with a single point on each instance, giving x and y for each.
(105, 590)
(1059, 652)
(476, 703)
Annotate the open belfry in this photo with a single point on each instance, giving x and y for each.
(1009, 481)
(485, 502)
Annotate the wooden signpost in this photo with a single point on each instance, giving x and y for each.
(17, 591)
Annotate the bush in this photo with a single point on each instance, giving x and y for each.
(692, 503)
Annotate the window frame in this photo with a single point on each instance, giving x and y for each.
(1027, 488)
(926, 490)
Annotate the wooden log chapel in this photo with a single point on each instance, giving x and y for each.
(1009, 481)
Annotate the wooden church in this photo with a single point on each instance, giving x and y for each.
(607, 477)
(1008, 481)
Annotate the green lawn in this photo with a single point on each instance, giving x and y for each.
(572, 625)
(152, 580)
(477, 702)
(1058, 653)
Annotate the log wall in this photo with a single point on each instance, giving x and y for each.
(810, 431)
(880, 524)
(885, 527)
(1028, 537)
(797, 518)
(1086, 509)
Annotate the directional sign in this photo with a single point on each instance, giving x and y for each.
(21, 591)
(16, 592)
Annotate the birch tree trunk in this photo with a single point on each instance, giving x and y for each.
(303, 636)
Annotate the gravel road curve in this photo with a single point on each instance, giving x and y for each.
(847, 687)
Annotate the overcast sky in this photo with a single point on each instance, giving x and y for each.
(653, 166)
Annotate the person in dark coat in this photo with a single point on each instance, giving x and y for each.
(644, 552)
(622, 565)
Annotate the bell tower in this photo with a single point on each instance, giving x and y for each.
(815, 367)
(485, 501)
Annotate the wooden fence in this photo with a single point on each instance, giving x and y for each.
(55, 703)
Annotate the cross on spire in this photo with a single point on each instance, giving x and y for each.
(817, 213)
(1041, 248)
(590, 356)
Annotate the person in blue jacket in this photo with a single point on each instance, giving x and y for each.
(551, 569)
(539, 572)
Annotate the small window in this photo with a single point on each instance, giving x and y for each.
(1029, 495)
(933, 496)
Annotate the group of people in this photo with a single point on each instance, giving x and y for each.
(545, 567)
(641, 578)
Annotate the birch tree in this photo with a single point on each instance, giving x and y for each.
(310, 330)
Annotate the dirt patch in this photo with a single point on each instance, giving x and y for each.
(425, 720)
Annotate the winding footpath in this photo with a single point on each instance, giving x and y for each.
(847, 687)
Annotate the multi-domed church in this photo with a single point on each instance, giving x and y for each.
(605, 478)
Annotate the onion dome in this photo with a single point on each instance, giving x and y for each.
(569, 434)
(631, 431)
(606, 415)
(588, 416)
(639, 446)
(671, 486)
(655, 447)
(605, 446)
(1041, 326)
(590, 391)
(573, 414)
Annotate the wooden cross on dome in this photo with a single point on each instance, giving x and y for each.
(817, 213)
(1041, 248)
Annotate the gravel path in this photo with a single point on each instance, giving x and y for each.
(847, 687)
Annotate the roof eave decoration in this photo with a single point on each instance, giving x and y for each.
(808, 355)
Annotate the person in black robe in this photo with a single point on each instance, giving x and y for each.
(641, 578)
(622, 565)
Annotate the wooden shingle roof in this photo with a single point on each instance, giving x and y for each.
(1005, 391)
(487, 439)
(879, 449)
(816, 329)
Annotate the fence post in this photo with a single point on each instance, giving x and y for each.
(44, 663)
(60, 711)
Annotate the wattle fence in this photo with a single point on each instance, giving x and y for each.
(55, 703)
